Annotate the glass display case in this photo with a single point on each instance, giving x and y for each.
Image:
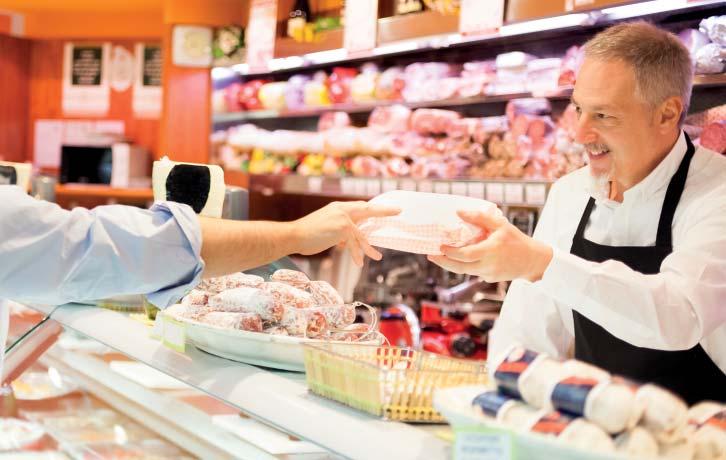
(92, 383)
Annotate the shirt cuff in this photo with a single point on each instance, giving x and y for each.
(566, 278)
(188, 222)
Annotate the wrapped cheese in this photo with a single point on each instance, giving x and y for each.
(665, 414)
(576, 432)
(681, 450)
(528, 375)
(504, 409)
(708, 420)
(637, 443)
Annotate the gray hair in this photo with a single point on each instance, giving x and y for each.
(662, 64)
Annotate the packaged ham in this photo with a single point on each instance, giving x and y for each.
(713, 137)
(570, 66)
(708, 421)
(288, 296)
(330, 120)
(528, 375)
(339, 83)
(710, 58)
(231, 320)
(665, 414)
(396, 167)
(390, 119)
(390, 84)
(249, 95)
(247, 300)
(294, 278)
(366, 166)
(543, 76)
(432, 121)
(637, 443)
(363, 86)
(504, 409)
(426, 222)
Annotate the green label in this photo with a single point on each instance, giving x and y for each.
(482, 443)
(87, 65)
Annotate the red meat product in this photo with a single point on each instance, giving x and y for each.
(391, 119)
(317, 324)
(390, 84)
(330, 120)
(396, 167)
(713, 137)
(231, 97)
(570, 65)
(433, 121)
(338, 84)
(405, 144)
(248, 96)
(288, 296)
(366, 166)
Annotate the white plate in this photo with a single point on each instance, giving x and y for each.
(455, 405)
(274, 351)
(17, 434)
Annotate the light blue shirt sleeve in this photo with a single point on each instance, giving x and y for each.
(49, 255)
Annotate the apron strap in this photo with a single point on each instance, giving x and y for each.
(672, 197)
(585, 219)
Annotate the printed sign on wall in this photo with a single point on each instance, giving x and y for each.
(86, 79)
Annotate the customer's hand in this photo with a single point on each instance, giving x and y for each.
(335, 224)
(503, 253)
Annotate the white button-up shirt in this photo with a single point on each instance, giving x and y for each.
(52, 256)
(682, 305)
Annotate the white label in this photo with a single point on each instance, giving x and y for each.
(373, 187)
(425, 186)
(442, 187)
(360, 187)
(174, 334)
(408, 185)
(315, 184)
(389, 185)
(347, 186)
(458, 188)
(475, 190)
(479, 16)
(514, 193)
(157, 332)
(482, 445)
(361, 21)
(495, 193)
(260, 33)
(536, 194)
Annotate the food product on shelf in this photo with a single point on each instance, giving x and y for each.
(390, 84)
(665, 415)
(233, 320)
(715, 28)
(693, 40)
(528, 375)
(339, 84)
(713, 136)
(249, 95)
(294, 278)
(336, 119)
(272, 95)
(235, 280)
(570, 65)
(432, 121)
(390, 119)
(315, 94)
(295, 91)
(363, 86)
(711, 58)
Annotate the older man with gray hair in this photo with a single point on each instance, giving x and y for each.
(628, 261)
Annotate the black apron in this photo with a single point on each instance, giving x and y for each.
(690, 373)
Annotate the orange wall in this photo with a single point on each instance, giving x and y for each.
(14, 64)
(91, 25)
(46, 83)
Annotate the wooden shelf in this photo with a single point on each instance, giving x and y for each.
(69, 191)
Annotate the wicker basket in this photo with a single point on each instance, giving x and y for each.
(389, 382)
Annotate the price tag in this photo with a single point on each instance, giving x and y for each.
(458, 188)
(347, 186)
(260, 33)
(315, 184)
(360, 187)
(495, 193)
(408, 185)
(475, 190)
(536, 194)
(157, 332)
(373, 187)
(175, 333)
(514, 193)
(425, 186)
(442, 187)
(361, 21)
(479, 16)
(482, 444)
(389, 185)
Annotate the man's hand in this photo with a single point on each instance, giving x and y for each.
(503, 252)
(335, 224)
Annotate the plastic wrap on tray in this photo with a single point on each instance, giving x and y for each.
(708, 423)
(231, 320)
(710, 58)
(715, 28)
(247, 300)
(288, 296)
(294, 278)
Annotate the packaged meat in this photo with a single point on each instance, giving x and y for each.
(396, 167)
(463, 127)
(330, 120)
(479, 68)
(390, 119)
(665, 414)
(426, 222)
(341, 141)
(288, 296)
(609, 405)
(637, 443)
(294, 278)
(195, 297)
(504, 409)
(713, 137)
(570, 66)
(272, 95)
(390, 84)
(528, 375)
(249, 95)
(432, 121)
(324, 294)
(715, 28)
(365, 166)
(247, 300)
(315, 94)
(295, 91)
(708, 420)
(576, 432)
(693, 40)
(233, 320)
(339, 83)
(363, 86)
(527, 106)
(472, 86)
(543, 75)
(514, 59)
(231, 97)
(710, 58)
